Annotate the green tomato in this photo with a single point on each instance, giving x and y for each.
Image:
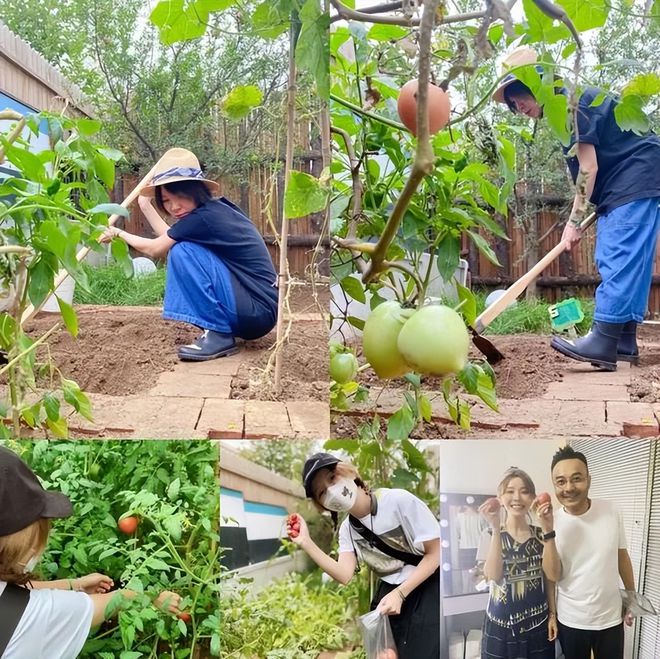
(379, 339)
(343, 367)
(435, 340)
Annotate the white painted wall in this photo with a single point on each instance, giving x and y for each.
(477, 466)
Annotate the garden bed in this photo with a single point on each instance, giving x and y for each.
(122, 350)
(529, 367)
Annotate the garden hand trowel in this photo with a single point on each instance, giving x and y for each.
(493, 355)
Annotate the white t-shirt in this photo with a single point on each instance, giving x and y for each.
(54, 625)
(588, 545)
(402, 521)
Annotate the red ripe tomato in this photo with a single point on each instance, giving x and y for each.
(438, 107)
(185, 616)
(388, 653)
(128, 525)
(543, 498)
(493, 504)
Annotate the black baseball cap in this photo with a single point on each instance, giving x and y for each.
(312, 466)
(23, 500)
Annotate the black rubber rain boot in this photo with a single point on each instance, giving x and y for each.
(210, 345)
(598, 347)
(626, 349)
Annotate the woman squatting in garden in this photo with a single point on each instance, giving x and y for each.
(617, 171)
(220, 276)
(521, 618)
(44, 619)
(395, 534)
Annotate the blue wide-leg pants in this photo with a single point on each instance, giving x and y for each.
(198, 289)
(625, 254)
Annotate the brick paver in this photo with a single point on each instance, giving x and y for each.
(200, 385)
(309, 419)
(595, 391)
(222, 419)
(633, 419)
(265, 419)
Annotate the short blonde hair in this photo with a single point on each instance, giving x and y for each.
(15, 547)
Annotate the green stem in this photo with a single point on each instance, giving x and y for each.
(27, 351)
(365, 113)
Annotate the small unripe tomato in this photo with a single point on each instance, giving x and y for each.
(343, 367)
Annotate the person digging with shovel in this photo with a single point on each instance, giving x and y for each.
(220, 276)
(617, 171)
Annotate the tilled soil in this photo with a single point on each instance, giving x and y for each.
(123, 350)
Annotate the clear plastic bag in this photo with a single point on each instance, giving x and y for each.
(377, 636)
(637, 604)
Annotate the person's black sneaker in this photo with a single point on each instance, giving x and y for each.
(210, 345)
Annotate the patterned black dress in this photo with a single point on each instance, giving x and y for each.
(516, 623)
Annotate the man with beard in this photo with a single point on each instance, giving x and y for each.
(585, 554)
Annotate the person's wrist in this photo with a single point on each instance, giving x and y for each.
(549, 535)
(575, 221)
(401, 594)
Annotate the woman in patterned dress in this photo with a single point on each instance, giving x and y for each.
(520, 620)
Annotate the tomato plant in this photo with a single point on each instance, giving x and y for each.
(52, 201)
(171, 486)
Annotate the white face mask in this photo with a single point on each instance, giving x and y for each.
(340, 497)
(32, 563)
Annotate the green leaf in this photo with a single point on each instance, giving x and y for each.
(355, 322)
(353, 288)
(484, 248)
(28, 163)
(449, 256)
(178, 22)
(59, 427)
(644, 84)
(104, 169)
(586, 15)
(400, 424)
(469, 377)
(42, 271)
(52, 406)
(207, 6)
(304, 195)
(381, 32)
(240, 101)
(269, 21)
(486, 390)
(630, 116)
(120, 253)
(7, 331)
(110, 209)
(555, 109)
(312, 48)
(414, 456)
(88, 127)
(425, 408)
(469, 304)
(173, 489)
(68, 316)
(76, 398)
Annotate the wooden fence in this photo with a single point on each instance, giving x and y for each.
(27, 77)
(572, 274)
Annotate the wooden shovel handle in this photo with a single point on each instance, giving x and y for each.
(82, 253)
(494, 310)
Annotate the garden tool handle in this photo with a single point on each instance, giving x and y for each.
(82, 253)
(494, 310)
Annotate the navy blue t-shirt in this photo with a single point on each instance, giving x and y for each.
(228, 232)
(628, 164)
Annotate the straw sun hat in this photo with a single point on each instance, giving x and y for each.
(518, 57)
(178, 165)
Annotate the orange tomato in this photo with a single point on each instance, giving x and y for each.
(438, 107)
(128, 525)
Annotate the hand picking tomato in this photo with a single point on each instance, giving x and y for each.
(343, 367)
(128, 525)
(438, 107)
(543, 498)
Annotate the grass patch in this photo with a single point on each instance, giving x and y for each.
(531, 317)
(109, 285)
